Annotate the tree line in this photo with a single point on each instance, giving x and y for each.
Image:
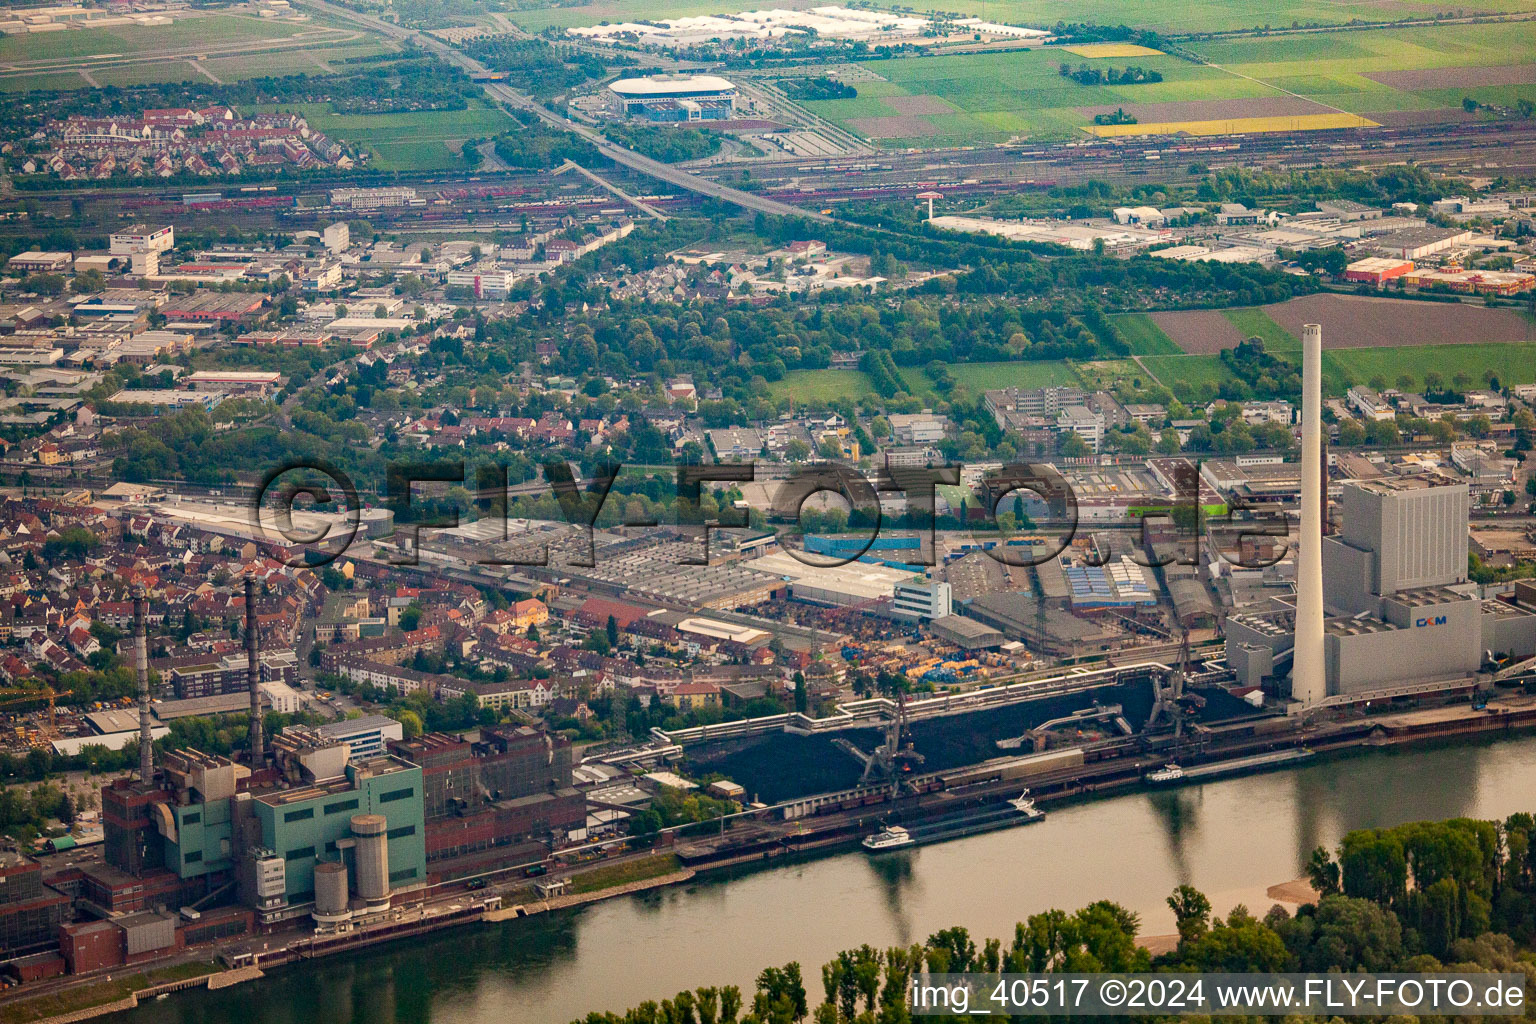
(1456, 895)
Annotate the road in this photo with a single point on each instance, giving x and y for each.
(512, 98)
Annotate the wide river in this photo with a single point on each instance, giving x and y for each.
(1232, 839)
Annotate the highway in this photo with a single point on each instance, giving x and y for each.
(512, 98)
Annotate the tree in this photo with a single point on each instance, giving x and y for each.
(1191, 910)
(613, 631)
(802, 696)
(1323, 873)
(1073, 446)
(410, 722)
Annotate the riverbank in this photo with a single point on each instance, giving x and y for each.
(604, 883)
(101, 996)
(1133, 847)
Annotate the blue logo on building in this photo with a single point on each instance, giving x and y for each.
(1438, 620)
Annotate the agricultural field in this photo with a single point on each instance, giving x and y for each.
(965, 99)
(1255, 323)
(1363, 321)
(185, 33)
(1169, 15)
(1144, 336)
(1274, 83)
(1394, 76)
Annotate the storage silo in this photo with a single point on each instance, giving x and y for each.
(371, 858)
(331, 893)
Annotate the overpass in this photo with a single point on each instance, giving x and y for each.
(512, 98)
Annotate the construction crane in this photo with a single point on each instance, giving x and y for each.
(48, 692)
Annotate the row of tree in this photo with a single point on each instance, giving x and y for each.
(1457, 895)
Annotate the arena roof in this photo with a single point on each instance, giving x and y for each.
(671, 85)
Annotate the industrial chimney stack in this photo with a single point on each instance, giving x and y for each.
(253, 670)
(1309, 682)
(141, 662)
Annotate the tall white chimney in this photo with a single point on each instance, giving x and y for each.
(1309, 682)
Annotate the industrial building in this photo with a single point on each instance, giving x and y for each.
(663, 98)
(1400, 610)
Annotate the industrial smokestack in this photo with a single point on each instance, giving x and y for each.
(1308, 675)
(253, 670)
(141, 662)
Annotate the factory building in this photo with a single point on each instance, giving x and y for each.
(1400, 610)
(664, 98)
(494, 801)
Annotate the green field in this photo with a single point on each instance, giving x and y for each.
(1107, 374)
(1330, 67)
(821, 385)
(182, 34)
(1186, 369)
(992, 97)
(1144, 336)
(56, 80)
(415, 141)
(1511, 362)
(979, 377)
(1255, 323)
(1197, 16)
(123, 75)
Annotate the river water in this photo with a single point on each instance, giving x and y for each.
(1230, 838)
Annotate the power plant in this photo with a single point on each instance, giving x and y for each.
(1383, 608)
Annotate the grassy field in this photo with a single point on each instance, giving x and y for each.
(182, 34)
(1255, 323)
(1107, 374)
(821, 385)
(1192, 370)
(979, 377)
(1144, 336)
(414, 141)
(56, 80)
(1511, 362)
(611, 875)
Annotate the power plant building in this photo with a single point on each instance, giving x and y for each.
(1401, 611)
(666, 98)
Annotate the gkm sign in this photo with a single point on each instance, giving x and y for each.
(1243, 530)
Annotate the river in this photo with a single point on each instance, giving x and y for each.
(1230, 838)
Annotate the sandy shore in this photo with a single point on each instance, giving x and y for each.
(1289, 895)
